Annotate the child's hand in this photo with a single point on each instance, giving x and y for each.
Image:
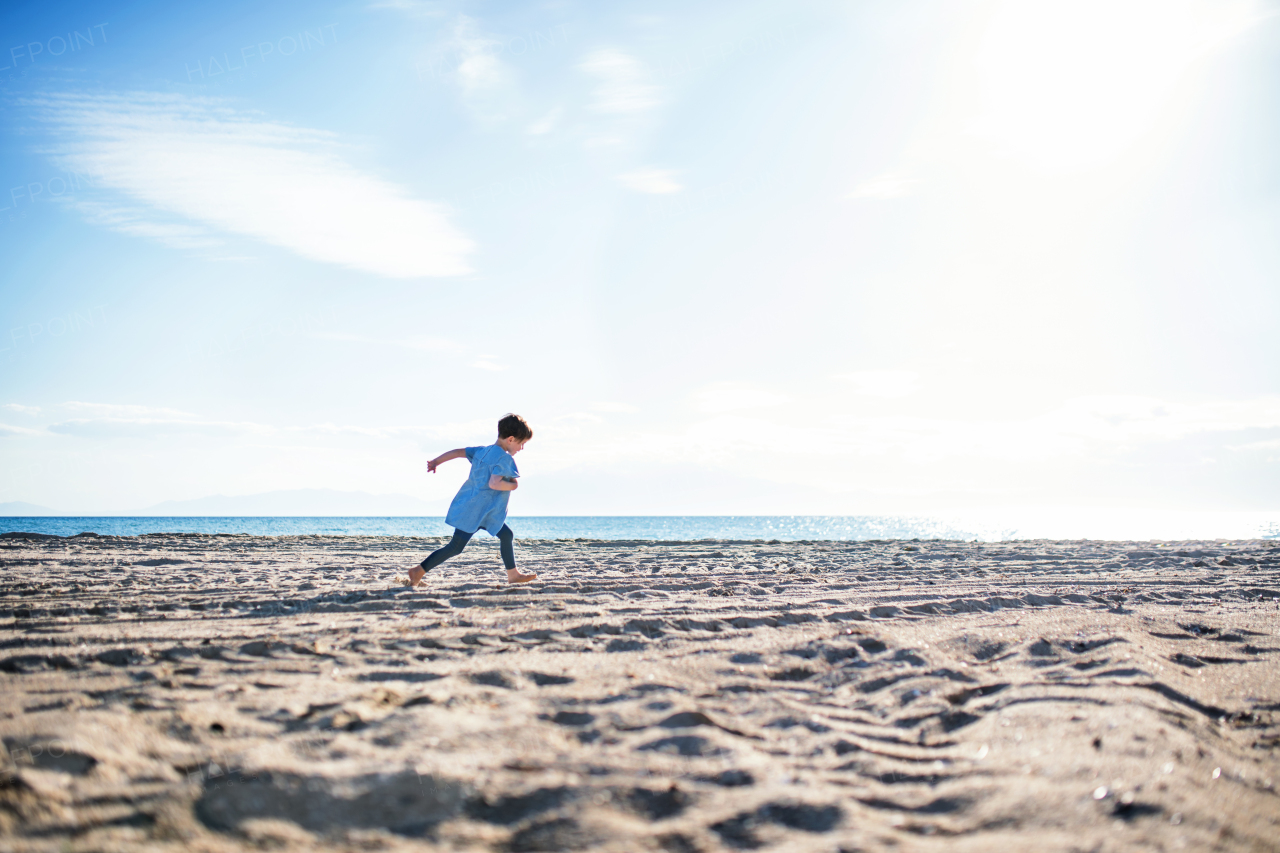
(431, 466)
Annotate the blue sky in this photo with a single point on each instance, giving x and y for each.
(766, 257)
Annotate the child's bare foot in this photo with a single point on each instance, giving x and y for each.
(416, 574)
(514, 576)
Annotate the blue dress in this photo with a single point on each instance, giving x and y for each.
(477, 506)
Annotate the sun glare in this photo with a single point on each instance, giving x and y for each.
(1067, 86)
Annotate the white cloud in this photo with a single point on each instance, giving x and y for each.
(110, 420)
(488, 364)
(882, 383)
(885, 186)
(6, 430)
(655, 181)
(138, 223)
(204, 163)
(470, 59)
(1270, 444)
(26, 410)
(620, 408)
(733, 397)
(1123, 418)
(108, 427)
(622, 83)
(142, 427)
(479, 70)
(124, 410)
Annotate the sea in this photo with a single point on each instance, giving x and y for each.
(989, 526)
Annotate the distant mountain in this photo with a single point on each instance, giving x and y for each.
(322, 502)
(21, 508)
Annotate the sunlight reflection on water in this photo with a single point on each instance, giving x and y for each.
(986, 526)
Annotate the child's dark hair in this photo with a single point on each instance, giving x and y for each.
(513, 426)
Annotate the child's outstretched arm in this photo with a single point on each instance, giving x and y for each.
(445, 457)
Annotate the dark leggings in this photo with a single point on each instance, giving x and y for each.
(506, 545)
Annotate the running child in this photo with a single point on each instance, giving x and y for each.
(482, 500)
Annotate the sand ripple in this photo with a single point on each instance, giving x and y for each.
(222, 692)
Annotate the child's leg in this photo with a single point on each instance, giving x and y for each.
(506, 546)
(453, 549)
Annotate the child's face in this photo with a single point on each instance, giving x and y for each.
(512, 445)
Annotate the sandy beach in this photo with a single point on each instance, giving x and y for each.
(195, 692)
